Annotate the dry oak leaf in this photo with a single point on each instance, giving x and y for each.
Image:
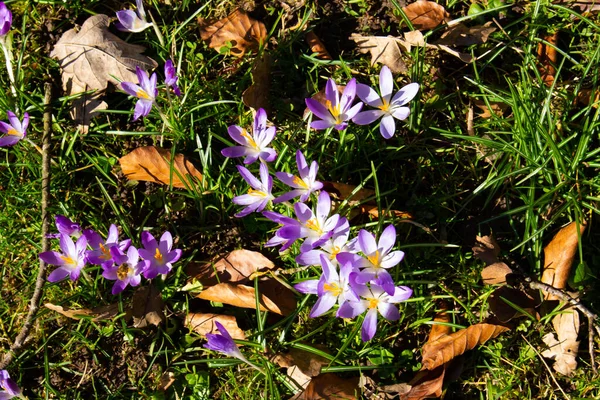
(234, 267)
(564, 347)
(257, 95)
(91, 58)
(244, 33)
(205, 323)
(330, 386)
(460, 35)
(384, 50)
(448, 347)
(559, 255)
(425, 15)
(415, 38)
(150, 163)
(317, 46)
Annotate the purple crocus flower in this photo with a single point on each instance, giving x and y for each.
(70, 261)
(133, 21)
(65, 227)
(338, 243)
(158, 257)
(378, 257)
(8, 386)
(171, 77)
(146, 92)
(374, 300)
(223, 343)
(254, 146)
(386, 106)
(100, 253)
(5, 19)
(127, 271)
(259, 195)
(304, 183)
(14, 131)
(337, 110)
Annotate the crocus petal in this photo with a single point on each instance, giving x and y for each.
(9, 140)
(126, 20)
(58, 274)
(130, 88)
(311, 257)
(250, 158)
(14, 121)
(368, 95)
(351, 309)
(369, 326)
(401, 293)
(322, 124)
(260, 120)
(269, 135)
(142, 108)
(318, 109)
(51, 257)
(268, 154)
(386, 83)
(387, 127)
(367, 117)
(25, 123)
(367, 242)
(351, 113)
(387, 239)
(401, 113)
(235, 151)
(235, 132)
(119, 286)
(148, 240)
(168, 239)
(331, 92)
(406, 94)
(388, 311)
(288, 196)
(323, 205)
(349, 94)
(307, 287)
(302, 164)
(392, 259)
(323, 304)
(4, 127)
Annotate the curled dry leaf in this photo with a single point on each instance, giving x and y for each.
(241, 31)
(147, 307)
(97, 314)
(504, 312)
(486, 249)
(460, 35)
(448, 347)
(205, 323)
(495, 107)
(548, 58)
(425, 15)
(495, 274)
(384, 50)
(564, 347)
(90, 58)
(151, 163)
(234, 267)
(317, 46)
(559, 256)
(330, 386)
(257, 95)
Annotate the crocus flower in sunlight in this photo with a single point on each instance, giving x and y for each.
(258, 195)
(254, 146)
(378, 257)
(386, 106)
(100, 253)
(14, 131)
(304, 183)
(224, 344)
(331, 248)
(333, 287)
(5, 19)
(171, 77)
(158, 256)
(65, 227)
(133, 21)
(127, 271)
(70, 261)
(8, 386)
(375, 301)
(146, 92)
(337, 110)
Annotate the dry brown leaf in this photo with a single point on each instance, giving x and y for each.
(559, 255)
(243, 32)
(309, 363)
(384, 50)
(460, 35)
(257, 95)
(425, 15)
(330, 386)
(235, 267)
(147, 307)
(90, 58)
(98, 313)
(564, 347)
(316, 46)
(166, 380)
(584, 6)
(495, 107)
(278, 300)
(448, 347)
(150, 163)
(486, 249)
(587, 96)
(495, 274)
(205, 323)
(548, 57)
(504, 311)
(415, 38)
(373, 212)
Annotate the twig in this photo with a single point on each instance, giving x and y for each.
(34, 303)
(547, 367)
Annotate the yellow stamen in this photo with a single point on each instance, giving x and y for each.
(374, 259)
(333, 288)
(158, 255)
(385, 106)
(105, 252)
(141, 94)
(14, 132)
(250, 139)
(257, 193)
(313, 224)
(372, 303)
(298, 181)
(334, 252)
(123, 271)
(68, 260)
(334, 111)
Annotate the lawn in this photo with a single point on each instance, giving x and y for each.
(299, 199)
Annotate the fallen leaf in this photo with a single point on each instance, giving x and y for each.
(150, 164)
(564, 347)
(205, 323)
(415, 38)
(85, 108)
(460, 35)
(548, 58)
(330, 386)
(166, 380)
(242, 32)
(257, 95)
(585, 6)
(486, 249)
(235, 267)
(384, 50)
(91, 58)
(147, 307)
(495, 107)
(245, 296)
(448, 347)
(309, 363)
(559, 255)
(316, 46)
(97, 314)
(373, 211)
(495, 274)
(587, 96)
(503, 311)
(425, 15)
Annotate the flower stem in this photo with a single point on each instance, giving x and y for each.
(9, 69)
(159, 35)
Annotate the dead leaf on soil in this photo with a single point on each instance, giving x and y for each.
(90, 58)
(330, 386)
(205, 323)
(257, 95)
(317, 46)
(486, 249)
(585, 6)
(495, 107)
(243, 32)
(559, 255)
(97, 314)
(495, 274)
(504, 311)
(150, 163)
(166, 380)
(384, 50)
(234, 267)
(448, 347)
(548, 58)
(460, 35)
(425, 15)
(415, 38)
(587, 96)
(563, 347)
(147, 307)
(301, 365)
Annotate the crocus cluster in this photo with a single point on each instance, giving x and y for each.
(338, 110)
(120, 261)
(14, 130)
(8, 386)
